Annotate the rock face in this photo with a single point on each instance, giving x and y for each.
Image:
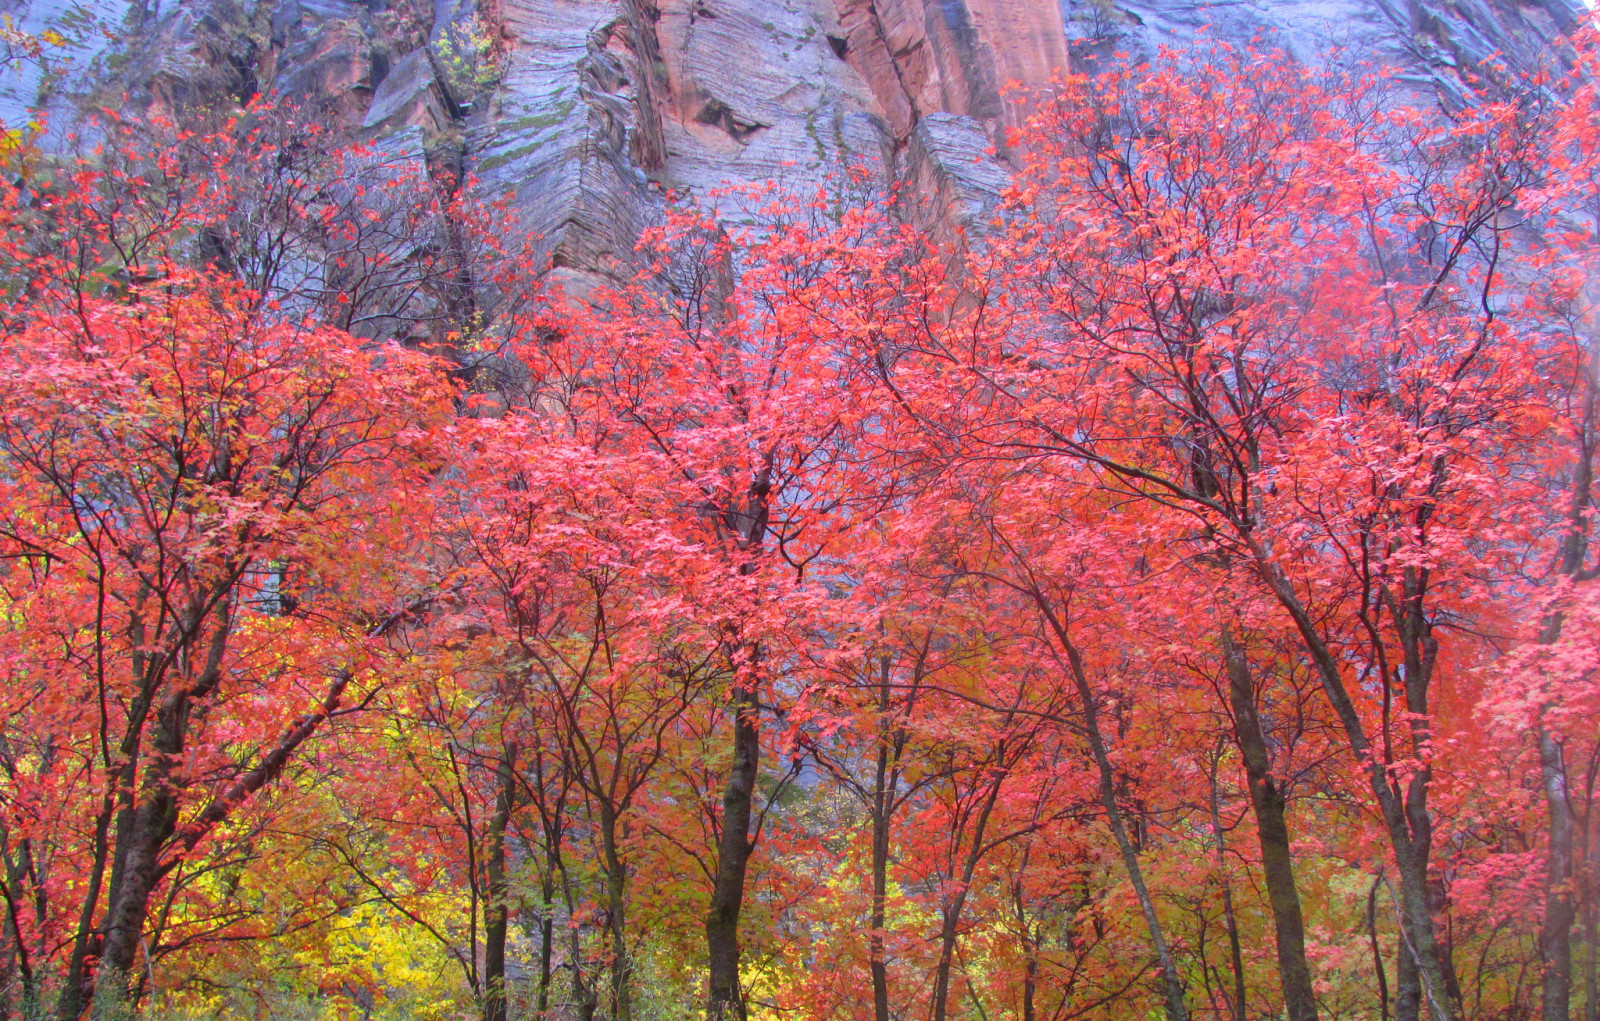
(591, 112)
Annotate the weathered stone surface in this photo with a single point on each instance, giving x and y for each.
(956, 180)
(408, 96)
(954, 56)
(562, 130)
(604, 108)
(758, 93)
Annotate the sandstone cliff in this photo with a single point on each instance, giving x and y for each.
(592, 111)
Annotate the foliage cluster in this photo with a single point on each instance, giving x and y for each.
(1178, 603)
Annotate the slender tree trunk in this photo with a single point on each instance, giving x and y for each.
(1440, 903)
(583, 996)
(882, 798)
(1277, 864)
(1591, 929)
(951, 925)
(1229, 917)
(1030, 944)
(1560, 906)
(1592, 922)
(616, 916)
(547, 934)
(1030, 981)
(1172, 984)
(724, 995)
(1377, 950)
(725, 1001)
(71, 1002)
(16, 872)
(940, 1004)
(1405, 815)
(497, 912)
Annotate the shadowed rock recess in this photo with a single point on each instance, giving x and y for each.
(590, 112)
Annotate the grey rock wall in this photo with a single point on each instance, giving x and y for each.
(597, 110)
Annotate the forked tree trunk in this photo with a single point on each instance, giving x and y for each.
(134, 880)
(951, 923)
(1405, 815)
(143, 827)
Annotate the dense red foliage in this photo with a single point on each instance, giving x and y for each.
(1179, 601)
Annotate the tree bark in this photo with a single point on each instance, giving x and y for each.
(882, 798)
(1172, 984)
(583, 995)
(949, 929)
(144, 825)
(724, 995)
(547, 935)
(1277, 864)
(1407, 982)
(1377, 950)
(152, 823)
(725, 999)
(1229, 916)
(70, 1003)
(616, 916)
(1405, 814)
(1591, 926)
(1560, 910)
(497, 911)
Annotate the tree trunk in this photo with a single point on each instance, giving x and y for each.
(725, 1000)
(616, 916)
(75, 989)
(497, 911)
(1229, 916)
(17, 870)
(1030, 982)
(547, 935)
(583, 996)
(1591, 927)
(1407, 983)
(1269, 805)
(1420, 941)
(950, 928)
(1405, 815)
(882, 797)
(1172, 984)
(724, 995)
(143, 827)
(1030, 944)
(1377, 950)
(129, 901)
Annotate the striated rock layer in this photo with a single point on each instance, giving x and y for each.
(592, 111)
